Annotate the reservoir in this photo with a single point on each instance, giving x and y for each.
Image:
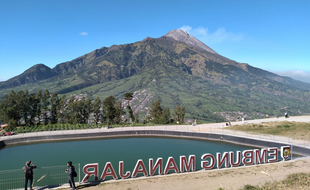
(130, 149)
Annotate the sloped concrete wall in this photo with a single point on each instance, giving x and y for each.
(178, 134)
(2, 144)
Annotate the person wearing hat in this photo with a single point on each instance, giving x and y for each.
(71, 172)
(29, 173)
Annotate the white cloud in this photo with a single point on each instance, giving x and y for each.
(300, 75)
(186, 28)
(218, 36)
(83, 33)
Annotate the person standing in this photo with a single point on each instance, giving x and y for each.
(29, 174)
(71, 173)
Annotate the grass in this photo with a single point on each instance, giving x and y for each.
(289, 165)
(296, 130)
(292, 182)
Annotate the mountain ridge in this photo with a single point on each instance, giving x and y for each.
(177, 34)
(35, 73)
(177, 72)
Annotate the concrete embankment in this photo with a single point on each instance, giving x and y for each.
(164, 133)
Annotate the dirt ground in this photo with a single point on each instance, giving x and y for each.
(227, 178)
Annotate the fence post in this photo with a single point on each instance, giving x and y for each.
(79, 174)
(291, 152)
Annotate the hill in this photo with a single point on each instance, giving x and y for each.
(32, 75)
(178, 69)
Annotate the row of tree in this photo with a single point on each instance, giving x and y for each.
(159, 115)
(43, 107)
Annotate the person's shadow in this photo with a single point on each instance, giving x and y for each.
(84, 185)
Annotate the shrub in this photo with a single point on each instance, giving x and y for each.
(250, 187)
(11, 126)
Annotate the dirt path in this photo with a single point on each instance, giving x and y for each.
(229, 179)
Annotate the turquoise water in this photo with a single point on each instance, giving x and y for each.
(111, 150)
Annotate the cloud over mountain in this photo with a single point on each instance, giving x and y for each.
(218, 36)
(300, 75)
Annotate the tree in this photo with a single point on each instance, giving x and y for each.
(81, 110)
(131, 116)
(23, 99)
(71, 114)
(156, 111)
(109, 108)
(76, 108)
(33, 102)
(88, 109)
(119, 111)
(179, 114)
(97, 106)
(61, 109)
(9, 108)
(166, 116)
(128, 97)
(137, 117)
(147, 119)
(54, 107)
(39, 103)
(45, 105)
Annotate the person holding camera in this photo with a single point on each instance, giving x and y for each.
(71, 172)
(29, 174)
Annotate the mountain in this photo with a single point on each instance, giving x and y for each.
(34, 74)
(178, 69)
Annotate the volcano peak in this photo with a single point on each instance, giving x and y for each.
(185, 37)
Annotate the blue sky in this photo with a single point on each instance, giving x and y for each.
(272, 35)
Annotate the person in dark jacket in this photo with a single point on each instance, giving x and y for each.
(70, 171)
(29, 174)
